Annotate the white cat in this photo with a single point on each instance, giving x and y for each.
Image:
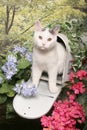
(49, 55)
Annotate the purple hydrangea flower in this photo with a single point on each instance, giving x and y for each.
(10, 67)
(12, 58)
(21, 50)
(26, 89)
(17, 88)
(28, 56)
(27, 92)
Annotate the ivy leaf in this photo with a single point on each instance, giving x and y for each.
(3, 99)
(23, 63)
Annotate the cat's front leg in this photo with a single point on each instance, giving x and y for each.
(36, 74)
(52, 81)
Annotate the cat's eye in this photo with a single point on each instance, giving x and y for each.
(40, 37)
(49, 39)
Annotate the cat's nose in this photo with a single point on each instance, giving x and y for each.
(43, 44)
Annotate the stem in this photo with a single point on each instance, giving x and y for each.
(13, 15)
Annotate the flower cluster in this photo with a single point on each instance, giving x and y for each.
(10, 67)
(78, 88)
(26, 89)
(68, 113)
(79, 74)
(65, 116)
(28, 56)
(76, 80)
(21, 50)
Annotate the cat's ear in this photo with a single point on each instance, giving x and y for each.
(38, 26)
(56, 29)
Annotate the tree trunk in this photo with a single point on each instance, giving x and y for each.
(8, 22)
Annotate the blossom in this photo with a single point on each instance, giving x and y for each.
(26, 89)
(81, 74)
(67, 113)
(71, 77)
(78, 88)
(21, 50)
(17, 88)
(28, 56)
(72, 97)
(12, 58)
(32, 91)
(64, 116)
(46, 121)
(10, 67)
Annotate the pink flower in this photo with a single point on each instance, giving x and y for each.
(68, 113)
(81, 73)
(72, 97)
(64, 116)
(78, 88)
(46, 121)
(47, 129)
(71, 128)
(71, 77)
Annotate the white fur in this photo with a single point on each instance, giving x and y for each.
(52, 57)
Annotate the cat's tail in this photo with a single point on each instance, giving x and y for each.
(65, 40)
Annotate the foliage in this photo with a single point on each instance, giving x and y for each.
(16, 67)
(27, 12)
(74, 30)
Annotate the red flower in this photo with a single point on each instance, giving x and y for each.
(65, 115)
(72, 97)
(78, 88)
(81, 74)
(71, 77)
(46, 121)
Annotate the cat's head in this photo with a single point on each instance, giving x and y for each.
(44, 38)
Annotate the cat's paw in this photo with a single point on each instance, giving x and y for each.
(53, 89)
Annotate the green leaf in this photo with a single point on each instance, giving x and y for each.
(9, 110)
(3, 77)
(85, 127)
(68, 24)
(23, 63)
(11, 93)
(4, 88)
(85, 108)
(82, 99)
(3, 99)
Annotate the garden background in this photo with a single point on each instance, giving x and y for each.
(17, 18)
